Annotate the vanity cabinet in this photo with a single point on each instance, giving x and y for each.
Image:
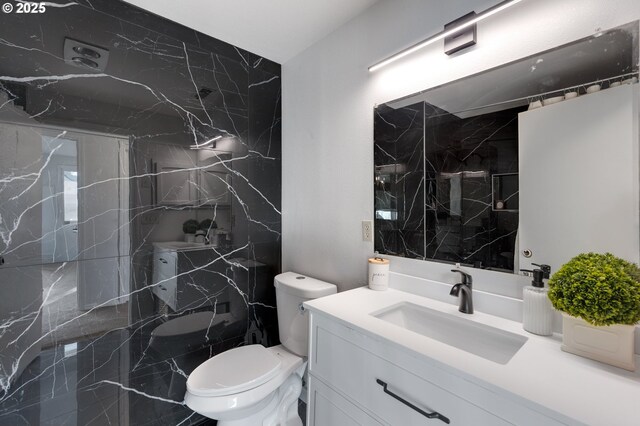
(184, 278)
(358, 379)
(165, 280)
(328, 407)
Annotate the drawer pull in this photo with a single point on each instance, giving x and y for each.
(434, 415)
(163, 261)
(162, 288)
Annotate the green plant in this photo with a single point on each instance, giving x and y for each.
(208, 224)
(190, 226)
(602, 289)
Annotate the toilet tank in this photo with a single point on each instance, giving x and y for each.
(293, 321)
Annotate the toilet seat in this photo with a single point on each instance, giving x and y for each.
(235, 404)
(234, 371)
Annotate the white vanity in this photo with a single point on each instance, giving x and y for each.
(453, 368)
(166, 272)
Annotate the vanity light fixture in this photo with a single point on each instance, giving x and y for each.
(449, 31)
(206, 144)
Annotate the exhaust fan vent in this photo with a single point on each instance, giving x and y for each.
(85, 55)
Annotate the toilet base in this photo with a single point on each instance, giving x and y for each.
(280, 410)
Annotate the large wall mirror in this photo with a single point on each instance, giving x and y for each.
(531, 162)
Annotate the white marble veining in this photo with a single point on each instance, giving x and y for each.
(98, 168)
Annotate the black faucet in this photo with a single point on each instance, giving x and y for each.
(466, 298)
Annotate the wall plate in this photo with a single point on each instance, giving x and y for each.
(367, 230)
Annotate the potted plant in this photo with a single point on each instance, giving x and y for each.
(208, 224)
(209, 227)
(189, 228)
(599, 295)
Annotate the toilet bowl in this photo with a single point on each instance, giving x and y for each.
(246, 385)
(253, 385)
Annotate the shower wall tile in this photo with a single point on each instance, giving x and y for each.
(436, 173)
(399, 180)
(99, 171)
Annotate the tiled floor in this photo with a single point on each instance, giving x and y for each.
(117, 379)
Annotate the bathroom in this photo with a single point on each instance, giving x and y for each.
(162, 167)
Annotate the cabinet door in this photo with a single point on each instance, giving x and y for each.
(175, 186)
(328, 408)
(165, 282)
(389, 392)
(214, 187)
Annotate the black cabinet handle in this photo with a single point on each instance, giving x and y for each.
(163, 261)
(434, 415)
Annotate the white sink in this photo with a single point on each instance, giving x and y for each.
(482, 340)
(179, 245)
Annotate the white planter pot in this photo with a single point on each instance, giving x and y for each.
(612, 344)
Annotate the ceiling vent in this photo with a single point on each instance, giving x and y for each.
(85, 55)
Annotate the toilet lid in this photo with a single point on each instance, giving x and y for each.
(186, 324)
(234, 371)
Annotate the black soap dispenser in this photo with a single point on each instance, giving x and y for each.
(537, 309)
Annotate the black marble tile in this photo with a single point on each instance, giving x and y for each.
(99, 168)
(113, 379)
(146, 19)
(399, 180)
(436, 174)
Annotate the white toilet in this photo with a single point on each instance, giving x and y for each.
(253, 385)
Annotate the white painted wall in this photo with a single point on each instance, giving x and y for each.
(328, 99)
(590, 182)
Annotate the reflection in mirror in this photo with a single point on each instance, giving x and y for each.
(461, 174)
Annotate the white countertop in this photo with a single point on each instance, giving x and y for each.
(581, 389)
(180, 246)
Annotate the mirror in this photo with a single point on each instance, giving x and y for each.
(531, 162)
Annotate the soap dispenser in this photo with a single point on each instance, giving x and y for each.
(538, 311)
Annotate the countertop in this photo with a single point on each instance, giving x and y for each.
(181, 246)
(581, 389)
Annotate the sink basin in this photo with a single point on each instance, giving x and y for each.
(482, 340)
(179, 245)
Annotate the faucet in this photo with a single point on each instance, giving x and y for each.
(466, 298)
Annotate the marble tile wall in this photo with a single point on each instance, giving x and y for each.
(104, 309)
(446, 184)
(400, 180)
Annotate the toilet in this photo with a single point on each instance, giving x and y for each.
(253, 385)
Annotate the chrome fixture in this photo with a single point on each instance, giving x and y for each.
(462, 39)
(466, 288)
(211, 143)
(451, 30)
(84, 61)
(85, 55)
(86, 52)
